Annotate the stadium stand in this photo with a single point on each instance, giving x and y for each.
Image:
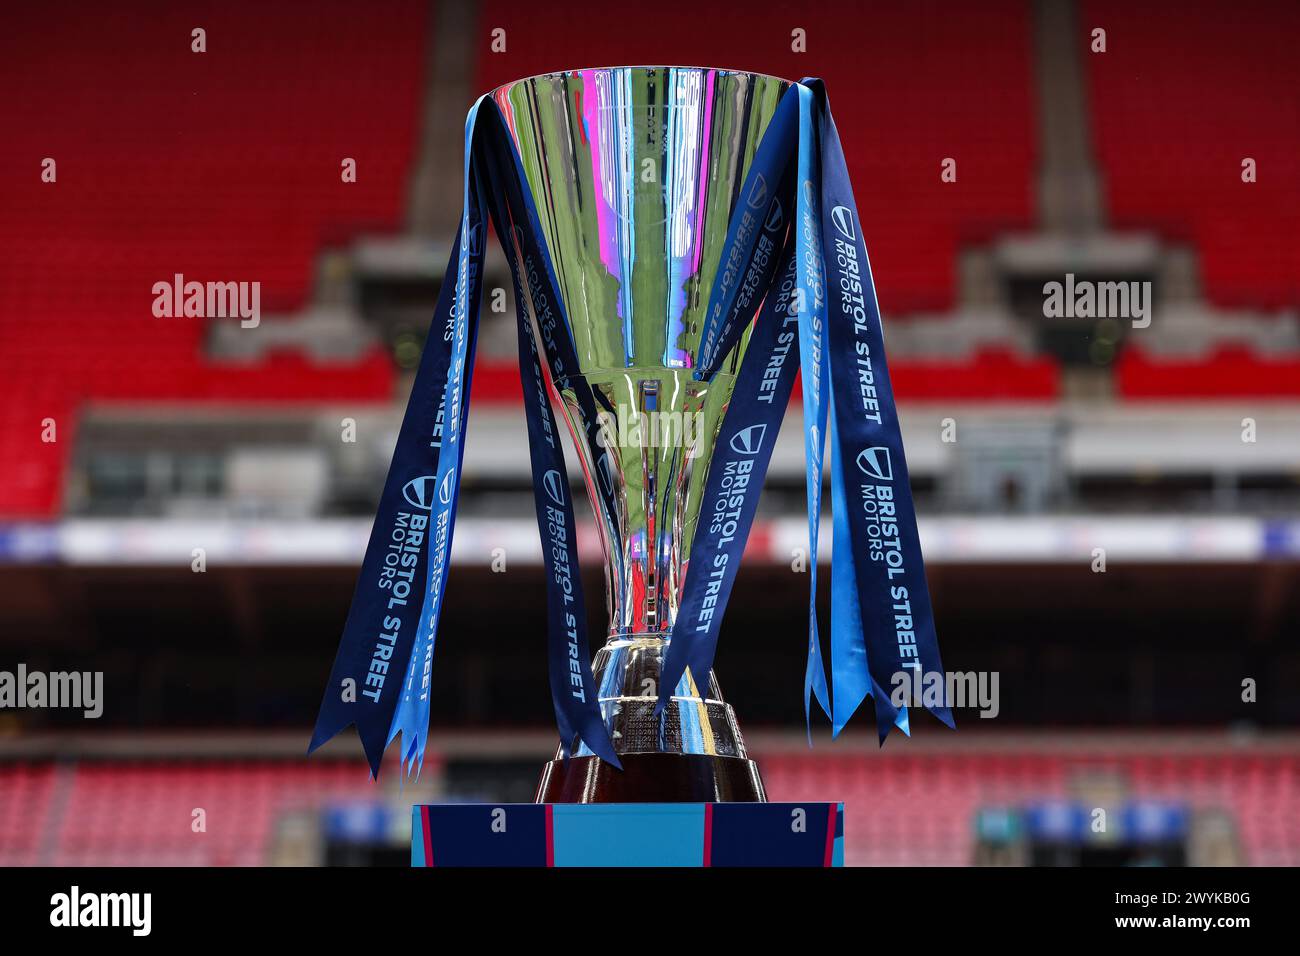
(882, 794)
(24, 806)
(181, 162)
(1178, 101)
(134, 813)
(123, 815)
(1230, 372)
(171, 161)
(902, 809)
(1264, 795)
(193, 164)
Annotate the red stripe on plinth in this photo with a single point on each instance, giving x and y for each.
(830, 836)
(550, 835)
(428, 836)
(708, 834)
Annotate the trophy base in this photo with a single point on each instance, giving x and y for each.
(652, 778)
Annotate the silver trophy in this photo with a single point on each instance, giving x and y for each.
(635, 172)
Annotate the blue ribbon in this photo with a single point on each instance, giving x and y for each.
(366, 681)
(392, 625)
(411, 719)
(881, 621)
(753, 417)
(893, 598)
(573, 689)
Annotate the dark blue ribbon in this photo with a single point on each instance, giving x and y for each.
(367, 678)
(411, 719)
(573, 688)
(392, 626)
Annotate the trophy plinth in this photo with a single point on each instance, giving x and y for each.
(636, 174)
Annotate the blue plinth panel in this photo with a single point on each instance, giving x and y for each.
(628, 834)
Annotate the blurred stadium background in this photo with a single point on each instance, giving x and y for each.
(1120, 690)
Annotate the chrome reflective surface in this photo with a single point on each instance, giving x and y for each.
(635, 172)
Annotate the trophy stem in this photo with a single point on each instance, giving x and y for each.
(651, 778)
(692, 753)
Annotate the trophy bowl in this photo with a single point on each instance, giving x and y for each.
(635, 173)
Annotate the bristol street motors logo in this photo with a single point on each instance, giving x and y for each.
(775, 217)
(447, 487)
(758, 195)
(553, 482)
(842, 216)
(475, 244)
(518, 233)
(876, 463)
(749, 440)
(419, 492)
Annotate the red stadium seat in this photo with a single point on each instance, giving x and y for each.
(882, 794)
(913, 809)
(143, 813)
(1182, 95)
(25, 794)
(1231, 372)
(221, 166)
